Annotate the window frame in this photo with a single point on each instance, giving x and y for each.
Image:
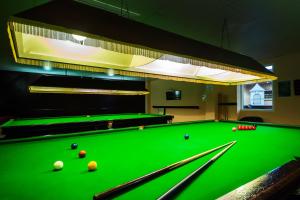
(241, 98)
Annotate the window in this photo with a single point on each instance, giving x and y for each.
(258, 95)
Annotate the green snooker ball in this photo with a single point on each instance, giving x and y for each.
(74, 146)
(186, 136)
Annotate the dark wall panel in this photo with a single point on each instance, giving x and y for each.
(16, 101)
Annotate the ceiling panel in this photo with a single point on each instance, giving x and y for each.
(260, 29)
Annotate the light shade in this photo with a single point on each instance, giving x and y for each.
(39, 36)
(64, 90)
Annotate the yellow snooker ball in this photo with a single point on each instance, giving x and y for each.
(92, 166)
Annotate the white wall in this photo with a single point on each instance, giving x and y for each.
(192, 95)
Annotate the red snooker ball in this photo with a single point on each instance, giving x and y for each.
(82, 154)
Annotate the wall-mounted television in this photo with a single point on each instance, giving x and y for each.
(173, 95)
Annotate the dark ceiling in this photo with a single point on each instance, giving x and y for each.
(259, 28)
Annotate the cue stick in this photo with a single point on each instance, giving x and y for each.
(108, 194)
(171, 193)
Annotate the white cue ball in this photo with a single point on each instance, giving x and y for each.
(58, 165)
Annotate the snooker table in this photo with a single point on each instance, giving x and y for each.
(26, 127)
(124, 154)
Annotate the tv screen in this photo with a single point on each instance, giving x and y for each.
(173, 95)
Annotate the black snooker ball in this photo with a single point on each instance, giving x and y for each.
(74, 146)
(186, 136)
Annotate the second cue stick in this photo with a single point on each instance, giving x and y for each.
(171, 193)
(128, 185)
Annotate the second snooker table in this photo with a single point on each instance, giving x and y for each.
(26, 127)
(26, 168)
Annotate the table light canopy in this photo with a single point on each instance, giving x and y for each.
(90, 39)
(65, 90)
